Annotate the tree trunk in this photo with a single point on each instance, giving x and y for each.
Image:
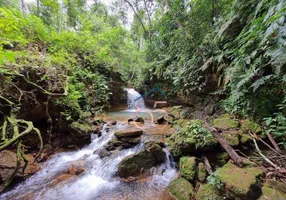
(234, 156)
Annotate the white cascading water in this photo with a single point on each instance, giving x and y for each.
(98, 181)
(133, 103)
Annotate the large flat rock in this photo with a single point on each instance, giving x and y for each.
(130, 132)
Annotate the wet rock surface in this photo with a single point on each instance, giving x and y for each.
(138, 163)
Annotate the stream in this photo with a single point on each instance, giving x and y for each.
(99, 179)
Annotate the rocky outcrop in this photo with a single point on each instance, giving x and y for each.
(241, 182)
(181, 189)
(8, 161)
(140, 162)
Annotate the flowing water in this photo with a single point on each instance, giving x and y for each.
(134, 102)
(99, 180)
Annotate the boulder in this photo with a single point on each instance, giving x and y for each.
(130, 132)
(188, 168)
(8, 160)
(208, 191)
(140, 119)
(251, 126)
(241, 182)
(181, 189)
(103, 153)
(201, 172)
(134, 164)
(131, 140)
(232, 137)
(271, 194)
(161, 120)
(225, 122)
(276, 185)
(140, 162)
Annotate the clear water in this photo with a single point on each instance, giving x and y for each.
(99, 180)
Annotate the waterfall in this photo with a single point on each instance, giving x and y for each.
(133, 103)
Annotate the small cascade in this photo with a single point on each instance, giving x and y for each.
(133, 102)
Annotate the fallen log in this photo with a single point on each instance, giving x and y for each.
(233, 155)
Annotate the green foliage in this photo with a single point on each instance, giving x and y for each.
(213, 179)
(193, 131)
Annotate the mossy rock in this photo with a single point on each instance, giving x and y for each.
(181, 189)
(225, 122)
(82, 128)
(134, 164)
(251, 126)
(241, 182)
(201, 172)
(208, 192)
(188, 168)
(232, 137)
(271, 194)
(276, 185)
(245, 138)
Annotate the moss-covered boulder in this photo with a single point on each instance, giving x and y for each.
(181, 189)
(138, 163)
(276, 185)
(129, 132)
(208, 192)
(201, 172)
(241, 182)
(188, 168)
(134, 164)
(245, 138)
(271, 193)
(232, 137)
(191, 137)
(225, 122)
(251, 126)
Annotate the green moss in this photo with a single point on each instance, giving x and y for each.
(188, 168)
(225, 122)
(82, 128)
(249, 125)
(270, 193)
(245, 138)
(181, 189)
(276, 185)
(201, 172)
(239, 181)
(232, 137)
(208, 192)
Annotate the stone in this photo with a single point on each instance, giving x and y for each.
(207, 192)
(201, 172)
(131, 132)
(232, 137)
(131, 140)
(150, 143)
(188, 168)
(114, 123)
(103, 153)
(210, 109)
(247, 125)
(271, 194)
(245, 138)
(181, 189)
(140, 162)
(276, 185)
(157, 152)
(134, 164)
(225, 122)
(161, 120)
(241, 182)
(140, 119)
